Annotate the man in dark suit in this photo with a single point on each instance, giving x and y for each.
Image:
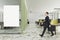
(46, 24)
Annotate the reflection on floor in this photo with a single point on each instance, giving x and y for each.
(10, 30)
(31, 33)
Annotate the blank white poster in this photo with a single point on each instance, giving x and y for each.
(11, 16)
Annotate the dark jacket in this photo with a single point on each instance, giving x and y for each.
(47, 21)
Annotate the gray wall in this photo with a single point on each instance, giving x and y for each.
(6, 2)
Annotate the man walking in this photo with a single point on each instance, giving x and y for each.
(46, 25)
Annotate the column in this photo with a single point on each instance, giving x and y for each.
(23, 12)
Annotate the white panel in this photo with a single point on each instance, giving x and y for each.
(59, 15)
(11, 15)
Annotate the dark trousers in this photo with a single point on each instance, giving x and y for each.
(45, 27)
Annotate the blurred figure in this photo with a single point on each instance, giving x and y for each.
(46, 24)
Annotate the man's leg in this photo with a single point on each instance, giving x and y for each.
(48, 29)
(43, 31)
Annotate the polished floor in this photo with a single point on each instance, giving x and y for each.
(10, 30)
(31, 33)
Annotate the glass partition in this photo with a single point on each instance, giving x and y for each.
(9, 16)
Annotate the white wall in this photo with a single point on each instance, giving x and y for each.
(38, 7)
(11, 15)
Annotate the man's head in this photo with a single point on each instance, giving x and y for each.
(46, 14)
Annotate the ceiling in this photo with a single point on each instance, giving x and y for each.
(42, 5)
(35, 5)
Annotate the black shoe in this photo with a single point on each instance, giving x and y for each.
(52, 35)
(41, 35)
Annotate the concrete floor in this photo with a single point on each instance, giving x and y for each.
(31, 33)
